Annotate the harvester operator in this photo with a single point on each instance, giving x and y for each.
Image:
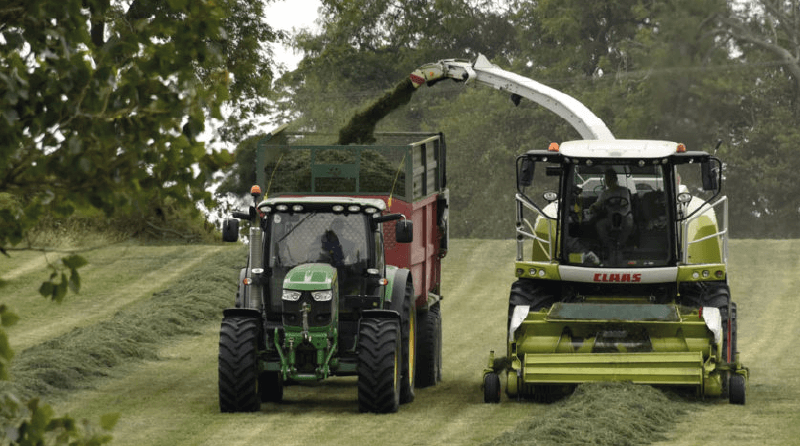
(613, 205)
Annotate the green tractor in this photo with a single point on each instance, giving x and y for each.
(339, 280)
(621, 272)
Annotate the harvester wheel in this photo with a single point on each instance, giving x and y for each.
(409, 343)
(527, 292)
(238, 365)
(270, 384)
(718, 297)
(379, 364)
(491, 388)
(736, 389)
(429, 347)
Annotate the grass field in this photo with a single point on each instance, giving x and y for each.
(150, 316)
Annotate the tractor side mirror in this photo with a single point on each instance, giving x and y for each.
(230, 230)
(404, 231)
(525, 172)
(710, 176)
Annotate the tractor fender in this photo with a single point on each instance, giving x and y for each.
(380, 314)
(396, 288)
(242, 290)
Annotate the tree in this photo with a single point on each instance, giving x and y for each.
(102, 106)
(103, 102)
(762, 136)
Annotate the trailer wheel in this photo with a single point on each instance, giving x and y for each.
(270, 384)
(491, 388)
(736, 389)
(238, 365)
(429, 347)
(379, 364)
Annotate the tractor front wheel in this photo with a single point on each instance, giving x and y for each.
(238, 365)
(379, 358)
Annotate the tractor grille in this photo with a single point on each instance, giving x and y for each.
(318, 316)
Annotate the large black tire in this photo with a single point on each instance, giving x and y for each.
(736, 389)
(409, 343)
(270, 384)
(379, 364)
(238, 365)
(491, 388)
(429, 347)
(529, 292)
(718, 296)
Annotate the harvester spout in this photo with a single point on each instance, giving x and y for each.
(484, 72)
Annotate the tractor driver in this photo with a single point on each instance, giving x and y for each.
(337, 248)
(614, 207)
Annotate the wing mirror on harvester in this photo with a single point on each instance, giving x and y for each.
(404, 229)
(710, 173)
(525, 169)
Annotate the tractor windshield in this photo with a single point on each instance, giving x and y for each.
(317, 237)
(335, 239)
(616, 216)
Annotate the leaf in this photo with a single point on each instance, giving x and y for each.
(109, 420)
(7, 317)
(74, 261)
(61, 288)
(46, 290)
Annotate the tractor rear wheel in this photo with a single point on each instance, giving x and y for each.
(238, 365)
(429, 347)
(409, 343)
(491, 388)
(379, 364)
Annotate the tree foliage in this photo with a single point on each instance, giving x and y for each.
(103, 103)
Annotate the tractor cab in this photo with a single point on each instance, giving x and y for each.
(337, 231)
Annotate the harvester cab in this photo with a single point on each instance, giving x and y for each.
(328, 288)
(621, 265)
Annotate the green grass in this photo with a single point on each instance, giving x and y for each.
(172, 400)
(72, 360)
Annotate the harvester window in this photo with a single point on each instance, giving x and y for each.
(616, 216)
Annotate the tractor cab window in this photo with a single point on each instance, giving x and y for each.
(616, 216)
(336, 239)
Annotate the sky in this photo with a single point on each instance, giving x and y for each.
(288, 15)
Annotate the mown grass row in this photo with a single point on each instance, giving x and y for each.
(610, 413)
(71, 361)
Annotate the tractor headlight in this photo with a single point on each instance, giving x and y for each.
(322, 296)
(291, 296)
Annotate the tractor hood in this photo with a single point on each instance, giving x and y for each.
(310, 277)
